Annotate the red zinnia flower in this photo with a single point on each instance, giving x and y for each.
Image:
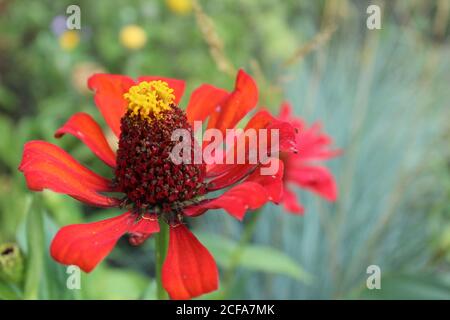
(143, 114)
(300, 168)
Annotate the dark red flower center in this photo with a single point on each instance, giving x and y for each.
(145, 171)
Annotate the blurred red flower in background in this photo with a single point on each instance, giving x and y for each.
(302, 168)
(143, 114)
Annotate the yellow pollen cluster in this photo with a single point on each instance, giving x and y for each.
(149, 98)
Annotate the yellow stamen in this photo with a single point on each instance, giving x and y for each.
(149, 98)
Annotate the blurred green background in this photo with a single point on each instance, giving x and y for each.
(382, 94)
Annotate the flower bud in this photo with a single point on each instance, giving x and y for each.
(11, 263)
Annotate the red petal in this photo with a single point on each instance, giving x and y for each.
(315, 178)
(287, 115)
(176, 84)
(227, 174)
(47, 166)
(287, 133)
(234, 173)
(204, 100)
(311, 142)
(236, 201)
(87, 244)
(84, 127)
(109, 90)
(143, 229)
(314, 145)
(189, 269)
(291, 203)
(273, 184)
(285, 111)
(237, 105)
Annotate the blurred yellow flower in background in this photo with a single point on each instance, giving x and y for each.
(180, 6)
(69, 40)
(133, 37)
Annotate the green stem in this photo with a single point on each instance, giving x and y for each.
(249, 230)
(161, 243)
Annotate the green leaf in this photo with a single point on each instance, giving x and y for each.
(254, 257)
(267, 259)
(8, 100)
(410, 286)
(150, 292)
(35, 249)
(55, 274)
(6, 129)
(107, 283)
(63, 212)
(9, 291)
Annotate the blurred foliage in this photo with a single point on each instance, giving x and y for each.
(382, 94)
